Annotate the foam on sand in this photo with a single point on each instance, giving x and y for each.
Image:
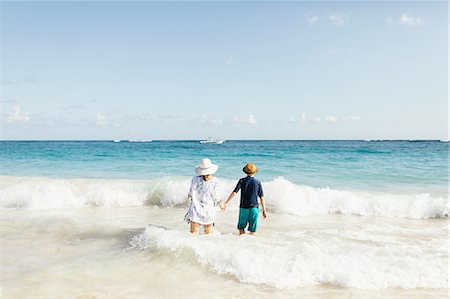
(299, 259)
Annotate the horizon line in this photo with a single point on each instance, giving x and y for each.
(153, 140)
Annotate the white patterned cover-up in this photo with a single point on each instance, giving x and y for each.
(204, 199)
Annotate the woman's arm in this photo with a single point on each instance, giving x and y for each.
(192, 187)
(215, 195)
(223, 206)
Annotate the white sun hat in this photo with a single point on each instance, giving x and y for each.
(206, 167)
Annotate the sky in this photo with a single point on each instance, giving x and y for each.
(233, 70)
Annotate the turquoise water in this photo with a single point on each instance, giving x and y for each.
(89, 218)
(394, 166)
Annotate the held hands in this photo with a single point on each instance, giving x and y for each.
(223, 206)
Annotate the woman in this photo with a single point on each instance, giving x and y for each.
(204, 197)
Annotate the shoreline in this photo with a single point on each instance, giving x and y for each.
(85, 245)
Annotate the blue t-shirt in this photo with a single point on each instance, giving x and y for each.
(251, 189)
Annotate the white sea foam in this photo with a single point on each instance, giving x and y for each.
(281, 195)
(299, 259)
(304, 200)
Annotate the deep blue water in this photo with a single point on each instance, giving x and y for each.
(376, 165)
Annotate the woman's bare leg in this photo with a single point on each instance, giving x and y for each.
(195, 227)
(208, 228)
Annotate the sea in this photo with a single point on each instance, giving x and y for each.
(104, 219)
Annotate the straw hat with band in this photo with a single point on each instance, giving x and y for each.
(250, 168)
(206, 167)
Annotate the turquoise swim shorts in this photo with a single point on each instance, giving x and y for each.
(250, 217)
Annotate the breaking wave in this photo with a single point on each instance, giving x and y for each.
(282, 196)
(300, 259)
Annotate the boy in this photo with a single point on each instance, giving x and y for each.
(251, 189)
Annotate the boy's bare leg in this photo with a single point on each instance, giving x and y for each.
(252, 233)
(208, 228)
(242, 232)
(195, 227)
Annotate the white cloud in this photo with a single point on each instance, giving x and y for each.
(246, 120)
(350, 118)
(17, 116)
(407, 20)
(311, 20)
(203, 119)
(216, 121)
(229, 60)
(28, 79)
(338, 19)
(332, 119)
(210, 120)
(303, 119)
(101, 120)
(251, 119)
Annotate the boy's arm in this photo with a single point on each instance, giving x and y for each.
(223, 206)
(230, 197)
(263, 203)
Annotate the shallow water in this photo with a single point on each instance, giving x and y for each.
(147, 252)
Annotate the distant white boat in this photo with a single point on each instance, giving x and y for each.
(212, 141)
(117, 140)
